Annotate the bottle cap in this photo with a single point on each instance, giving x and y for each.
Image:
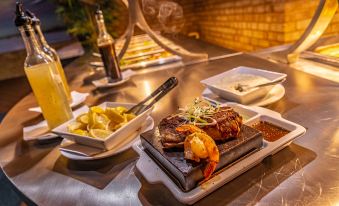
(98, 14)
(35, 20)
(98, 11)
(20, 18)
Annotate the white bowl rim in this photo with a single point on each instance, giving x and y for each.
(58, 130)
(221, 75)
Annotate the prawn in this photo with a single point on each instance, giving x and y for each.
(199, 145)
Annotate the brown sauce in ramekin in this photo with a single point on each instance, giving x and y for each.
(270, 131)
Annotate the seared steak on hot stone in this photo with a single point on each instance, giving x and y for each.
(169, 136)
(227, 126)
(228, 123)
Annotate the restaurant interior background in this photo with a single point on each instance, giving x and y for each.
(237, 25)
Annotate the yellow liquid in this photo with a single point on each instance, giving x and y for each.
(50, 94)
(64, 80)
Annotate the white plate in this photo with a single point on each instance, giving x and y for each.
(103, 83)
(154, 174)
(77, 98)
(123, 146)
(274, 95)
(113, 139)
(242, 97)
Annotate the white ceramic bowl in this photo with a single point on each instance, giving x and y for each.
(242, 97)
(112, 140)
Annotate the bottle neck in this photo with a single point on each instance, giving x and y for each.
(40, 36)
(31, 43)
(103, 36)
(101, 24)
(101, 27)
(44, 45)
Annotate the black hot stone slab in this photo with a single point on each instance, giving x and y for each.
(186, 173)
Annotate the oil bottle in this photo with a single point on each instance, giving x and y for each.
(49, 51)
(42, 75)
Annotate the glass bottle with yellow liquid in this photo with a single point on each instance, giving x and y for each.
(49, 51)
(42, 75)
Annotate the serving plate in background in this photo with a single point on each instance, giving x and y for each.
(112, 140)
(149, 63)
(245, 97)
(274, 95)
(77, 99)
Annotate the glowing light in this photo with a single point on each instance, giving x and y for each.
(329, 50)
(147, 87)
(317, 69)
(148, 91)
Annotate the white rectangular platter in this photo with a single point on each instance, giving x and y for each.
(154, 174)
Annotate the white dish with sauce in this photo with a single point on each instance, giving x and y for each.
(274, 95)
(224, 84)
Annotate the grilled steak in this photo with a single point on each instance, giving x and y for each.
(169, 136)
(227, 126)
(228, 123)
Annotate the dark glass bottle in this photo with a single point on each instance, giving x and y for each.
(106, 47)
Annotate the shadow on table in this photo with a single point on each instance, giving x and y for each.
(111, 94)
(28, 154)
(114, 89)
(98, 173)
(92, 77)
(268, 174)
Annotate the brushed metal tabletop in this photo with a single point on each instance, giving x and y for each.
(306, 172)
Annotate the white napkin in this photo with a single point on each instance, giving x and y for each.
(77, 98)
(82, 150)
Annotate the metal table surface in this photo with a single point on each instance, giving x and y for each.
(306, 172)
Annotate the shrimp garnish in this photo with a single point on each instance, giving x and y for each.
(199, 145)
(189, 129)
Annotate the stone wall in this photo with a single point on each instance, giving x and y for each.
(248, 25)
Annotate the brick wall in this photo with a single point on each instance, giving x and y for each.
(298, 15)
(248, 25)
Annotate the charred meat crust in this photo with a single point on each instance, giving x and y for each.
(228, 124)
(169, 136)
